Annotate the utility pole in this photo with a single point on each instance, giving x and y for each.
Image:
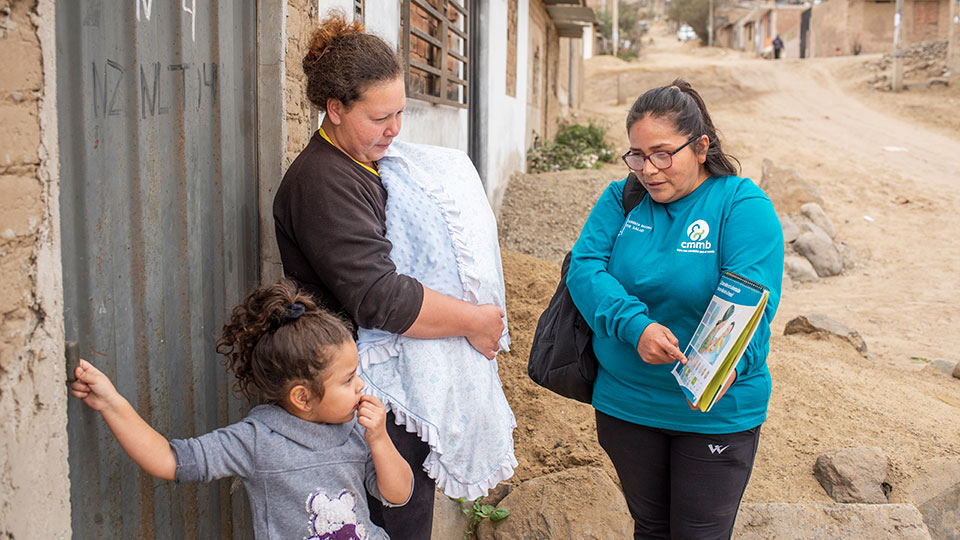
(953, 45)
(710, 26)
(898, 48)
(616, 26)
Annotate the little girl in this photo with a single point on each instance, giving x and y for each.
(302, 456)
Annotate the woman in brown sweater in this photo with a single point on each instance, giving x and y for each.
(330, 220)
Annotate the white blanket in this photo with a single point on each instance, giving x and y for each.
(444, 234)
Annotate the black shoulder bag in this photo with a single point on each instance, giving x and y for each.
(561, 357)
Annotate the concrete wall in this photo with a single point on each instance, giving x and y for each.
(828, 24)
(536, 73)
(502, 123)
(34, 485)
(873, 26)
(588, 33)
(570, 75)
(544, 75)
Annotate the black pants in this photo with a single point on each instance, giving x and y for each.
(679, 485)
(414, 520)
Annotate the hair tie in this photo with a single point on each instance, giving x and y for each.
(294, 311)
(314, 57)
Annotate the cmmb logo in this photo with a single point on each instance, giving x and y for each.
(697, 232)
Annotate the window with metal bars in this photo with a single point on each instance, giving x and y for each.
(358, 11)
(434, 40)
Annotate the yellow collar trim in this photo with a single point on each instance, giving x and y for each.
(326, 138)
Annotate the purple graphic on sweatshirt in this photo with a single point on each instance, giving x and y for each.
(348, 532)
(334, 519)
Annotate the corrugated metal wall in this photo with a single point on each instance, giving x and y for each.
(157, 124)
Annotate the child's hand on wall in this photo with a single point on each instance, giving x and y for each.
(93, 387)
(143, 444)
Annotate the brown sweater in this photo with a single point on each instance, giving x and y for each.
(330, 219)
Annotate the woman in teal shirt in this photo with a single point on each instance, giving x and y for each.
(642, 283)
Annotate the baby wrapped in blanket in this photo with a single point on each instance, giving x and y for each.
(443, 234)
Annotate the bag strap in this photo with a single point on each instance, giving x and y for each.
(633, 192)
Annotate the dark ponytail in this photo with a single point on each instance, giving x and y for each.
(680, 103)
(278, 337)
(342, 61)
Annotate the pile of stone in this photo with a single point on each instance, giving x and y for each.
(924, 64)
(808, 233)
(856, 479)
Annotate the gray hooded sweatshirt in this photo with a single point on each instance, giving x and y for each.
(304, 480)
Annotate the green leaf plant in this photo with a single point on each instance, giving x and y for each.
(477, 512)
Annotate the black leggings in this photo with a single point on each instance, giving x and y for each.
(679, 485)
(414, 520)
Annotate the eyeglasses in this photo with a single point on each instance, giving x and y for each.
(661, 160)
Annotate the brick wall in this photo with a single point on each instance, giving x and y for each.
(301, 115)
(34, 486)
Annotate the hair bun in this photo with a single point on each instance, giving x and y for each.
(330, 29)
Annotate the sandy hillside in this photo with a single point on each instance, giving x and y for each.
(891, 157)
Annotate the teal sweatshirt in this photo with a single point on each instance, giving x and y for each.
(658, 266)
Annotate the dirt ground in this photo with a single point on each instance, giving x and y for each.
(888, 168)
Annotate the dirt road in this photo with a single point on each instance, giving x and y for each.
(889, 172)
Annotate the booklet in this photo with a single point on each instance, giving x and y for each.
(723, 334)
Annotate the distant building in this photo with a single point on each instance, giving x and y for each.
(845, 27)
(830, 27)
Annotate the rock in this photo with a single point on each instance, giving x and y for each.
(818, 248)
(821, 325)
(853, 475)
(787, 189)
(808, 226)
(787, 282)
(581, 503)
(956, 371)
(942, 514)
(814, 212)
(939, 81)
(449, 521)
(943, 366)
(799, 269)
(498, 493)
(937, 496)
(790, 521)
(790, 229)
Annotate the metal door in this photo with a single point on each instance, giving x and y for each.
(804, 31)
(157, 133)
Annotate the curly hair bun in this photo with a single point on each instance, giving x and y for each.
(343, 61)
(334, 27)
(279, 334)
